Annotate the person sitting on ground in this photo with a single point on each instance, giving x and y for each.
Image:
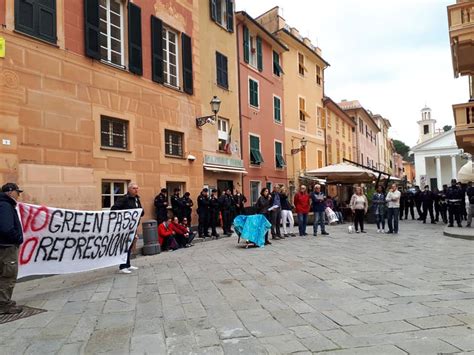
(191, 234)
(166, 236)
(181, 233)
(337, 210)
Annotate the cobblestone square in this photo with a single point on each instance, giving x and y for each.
(342, 294)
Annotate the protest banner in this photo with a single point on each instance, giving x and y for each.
(60, 241)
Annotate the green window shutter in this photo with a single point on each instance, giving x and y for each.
(279, 160)
(255, 155)
(276, 109)
(213, 8)
(259, 54)
(230, 15)
(246, 44)
(253, 88)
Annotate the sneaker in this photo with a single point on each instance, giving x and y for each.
(357, 232)
(325, 233)
(378, 230)
(11, 310)
(382, 231)
(125, 271)
(133, 268)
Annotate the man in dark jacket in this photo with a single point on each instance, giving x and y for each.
(161, 205)
(409, 204)
(443, 204)
(226, 203)
(427, 204)
(418, 203)
(203, 213)
(11, 237)
(214, 213)
(470, 196)
(239, 200)
(187, 207)
(129, 201)
(318, 202)
(177, 204)
(454, 197)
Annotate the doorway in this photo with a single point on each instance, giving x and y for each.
(223, 185)
(433, 184)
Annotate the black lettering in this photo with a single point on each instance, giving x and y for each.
(97, 241)
(135, 218)
(57, 226)
(98, 222)
(80, 243)
(112, 245)
(54, 249)
(112, 217)
(104, 244)
(67, 245)
(76, 223)
(43, 245)
(126, 220)
(68, 217)
(88, 247)
(118, 223)
(86, 223)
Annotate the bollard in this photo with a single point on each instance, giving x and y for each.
(151, 246)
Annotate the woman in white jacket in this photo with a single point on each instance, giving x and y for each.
(393, 200)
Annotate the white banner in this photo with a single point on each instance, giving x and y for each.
(59, 241)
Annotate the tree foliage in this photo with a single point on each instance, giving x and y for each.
(401, 148)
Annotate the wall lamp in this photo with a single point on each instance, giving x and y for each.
(215, 106)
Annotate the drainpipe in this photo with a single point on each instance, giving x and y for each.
(240, 104)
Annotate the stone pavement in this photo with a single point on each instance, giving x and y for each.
(343, 294)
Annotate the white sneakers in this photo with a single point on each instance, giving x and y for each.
(381, 231)
(127, 271)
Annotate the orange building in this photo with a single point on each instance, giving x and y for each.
(98, 94)
(409, 172)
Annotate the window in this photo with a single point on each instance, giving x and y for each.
(221, 70)
(301, 67)
(254, 192)
(255, 155)
(361, 158)
(338, 152)
(111, 191)
(329, 115)
(361, 126)
(111, 31)
(368, 161)
(277, 70)
(329, 149)
(223, 134)
(113, 133)
(337, 124)
(174, 143)
(170, 57)
(269, 186)
(253, 93)
(350, 154)
(253, 51)
(344, 150)
(319, 114)
(343, 129)
(320, 159)
(36, 18)
(426, 129)
(318, 75)
(222, 13)
(302, 109)
(277, 109)
(279, 159)
(349, 134)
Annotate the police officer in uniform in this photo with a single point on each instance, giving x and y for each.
(214, 213)
(454, 198)
(226, 203)
(427, 204)
(188, 207)
(418, 203)
(409, 204)
(177, 204)
(203, 212)
(239, 200)
(161, 206)
(443, 204)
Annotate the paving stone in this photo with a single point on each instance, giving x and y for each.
(371, 350)
(427, 346)
(206, 337)
(109, 340)
(239, 346)
(282, 344)
(122, 305)
(379, 328)
(148, 344)
(435, 322)
(464, 343)
(341, 317)
(72, 349)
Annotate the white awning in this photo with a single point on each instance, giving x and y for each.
(226, 169)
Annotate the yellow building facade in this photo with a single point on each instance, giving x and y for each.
(303, 107)
(340, 142)
(222, 159)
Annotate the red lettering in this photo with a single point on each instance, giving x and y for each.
(26, 260)
(25, 215)
(44, 210)
(31, 217)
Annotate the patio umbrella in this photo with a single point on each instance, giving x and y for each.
(343, 173)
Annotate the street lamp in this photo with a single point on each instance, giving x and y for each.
(215, 106)
(303, 143)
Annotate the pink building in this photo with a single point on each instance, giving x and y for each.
(261, 106)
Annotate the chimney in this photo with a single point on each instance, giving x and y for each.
(307, 41)
(295, 32)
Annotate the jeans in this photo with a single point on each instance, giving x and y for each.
(392, 220)
(302, 222)
(319, 218)
(127, 264)
(275, 216)
(380, 220)
(287, 216)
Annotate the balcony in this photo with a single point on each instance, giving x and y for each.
(464, 120)
(461, 33)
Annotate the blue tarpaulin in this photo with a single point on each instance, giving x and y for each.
(252, 228)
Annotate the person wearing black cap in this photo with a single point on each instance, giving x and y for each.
(203, 213)
(161, 205)
(214, 213)
(177, 204)
(11, 237)
(454, 196)
(188, 207)
(427, 204)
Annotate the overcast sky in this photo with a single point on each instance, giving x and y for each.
(392, 56)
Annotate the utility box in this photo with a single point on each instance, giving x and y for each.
(151, 246)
